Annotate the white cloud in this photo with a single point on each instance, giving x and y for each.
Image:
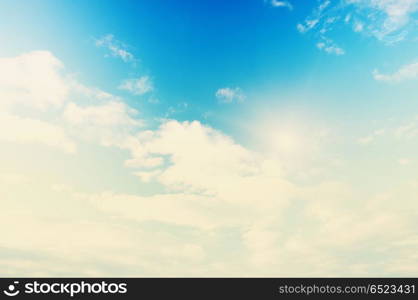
(407, 131)
(397, 16)
(202, 194)
(137, 86)
(407, 72)
(33, 83)
(229, 95)
(389, 21)
(277, 3)
(309, 24)
(25, 130)
(116, 48)
(32, 80)
(403, 132)
(358, 27)
(110, 114)
(330, 49)
(110, 123)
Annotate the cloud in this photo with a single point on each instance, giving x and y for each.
(358, 27)
(32, 80)
(109, 124)
(137, 86)
(188, 195)
(110, 115)
(389, 21)
(330, 49)
(407, 72)
(396, 17)
(229, 95)
(276, 3)
(406, 131)
(116, 48)
(25, 130)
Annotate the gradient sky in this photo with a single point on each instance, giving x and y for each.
(209, 138)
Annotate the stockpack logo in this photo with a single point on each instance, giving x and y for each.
(64, 288)
(12, 290)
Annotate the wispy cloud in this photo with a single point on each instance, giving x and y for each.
(407, 72)
(137, 86)
(277, 3)
(229, 95)
(116, 48)
(320, 22)
(389, 21)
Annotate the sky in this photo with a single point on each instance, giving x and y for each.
(209, 138)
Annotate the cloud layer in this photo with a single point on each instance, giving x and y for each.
(203, 204)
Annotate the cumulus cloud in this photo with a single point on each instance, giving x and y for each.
(109, 124)
(115, 47)
(32, 80)
(190, 194)
(230, 95)
(137, 86)
(26, 130)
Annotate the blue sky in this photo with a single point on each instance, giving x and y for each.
(182, 129)
(190, 49)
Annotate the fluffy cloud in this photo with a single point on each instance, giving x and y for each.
(32, 80)
(33, 83)
(201, 204)
(25, 130)
(109, 124)
(229, 95)
(137, 86)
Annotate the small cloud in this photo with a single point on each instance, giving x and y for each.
(407, 131)
(276, 3)
(372, 137)
(309, 24)
(407, 72)
(116, 48)
(365, 140)
(404, 161)
(229, 95)
(330, 48)
(347, 18)
(301, 28)
(358, 27)
(178, 109)
(137, 86)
